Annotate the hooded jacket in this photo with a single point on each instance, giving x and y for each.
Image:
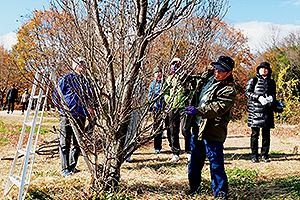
(260, 116)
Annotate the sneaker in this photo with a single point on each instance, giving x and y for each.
(11, 112)
(22, 113)
(175, 158)
(157, 151)
(265, 159)
(188, 155)
(128, 160)
(66, 173)
(74, 170)
(7, 112)
(254, 160)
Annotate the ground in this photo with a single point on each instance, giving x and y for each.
(151, 176)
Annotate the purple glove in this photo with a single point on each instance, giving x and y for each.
(173, 68)
(191, 110)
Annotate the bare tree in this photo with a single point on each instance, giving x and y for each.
(120, 40)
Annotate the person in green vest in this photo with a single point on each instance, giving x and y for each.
(176, 96)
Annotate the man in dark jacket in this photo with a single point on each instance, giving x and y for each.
(212, 116)
(261, 91)
(11, 98)
(77, 93)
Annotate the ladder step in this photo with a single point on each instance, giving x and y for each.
(30, 124)
(37, 96)
(24, 152)
(16, 180)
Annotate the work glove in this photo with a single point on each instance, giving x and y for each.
(262, 100)
(191, 110)
(269, 99)
(173, 68)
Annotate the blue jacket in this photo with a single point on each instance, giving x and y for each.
(154, 90)
(77, 92)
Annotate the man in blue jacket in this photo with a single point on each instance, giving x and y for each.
(77, 93)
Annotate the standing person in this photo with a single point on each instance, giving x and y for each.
(154, 90)
(177, 95)
(25, 100)
(11, 98)
(261, 91)
(77, 93)
(212, 112)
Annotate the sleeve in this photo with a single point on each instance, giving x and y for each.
(250, 89)
(221, 103)
(167, 93)
(150, 90)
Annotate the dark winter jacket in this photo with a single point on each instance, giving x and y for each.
(259, 115)
(12, 95)
(77, 93)
(216, 112)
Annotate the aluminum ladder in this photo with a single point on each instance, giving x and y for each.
(21, 170)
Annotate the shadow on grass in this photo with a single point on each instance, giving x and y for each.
(272, 156)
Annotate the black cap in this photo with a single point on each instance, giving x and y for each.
(223, 64)
(265, 65)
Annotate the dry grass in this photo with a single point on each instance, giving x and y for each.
(150, 176)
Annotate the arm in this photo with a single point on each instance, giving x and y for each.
(219, 105)
(250, 89)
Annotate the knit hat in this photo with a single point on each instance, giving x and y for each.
(156, 69)
(223, 64)
(175, 60)
(77, 61)
(265, 65)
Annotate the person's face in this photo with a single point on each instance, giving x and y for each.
(157, 75)
(220, 76)
(81, 67)
(263, 71)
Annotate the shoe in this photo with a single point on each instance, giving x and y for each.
(265, 159)
(254, 160)
(128, 160)
(66, 173)
(7, 112)
(22, 113)
(11, 112)
(157, 151)
(188, 155)
(175, 158)
(74, 170)
(220, 196)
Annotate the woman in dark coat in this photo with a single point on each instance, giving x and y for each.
(261, 92)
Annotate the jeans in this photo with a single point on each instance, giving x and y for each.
(10, 105)
(214, 152)
(265, 142)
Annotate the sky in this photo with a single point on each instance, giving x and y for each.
(252, 17)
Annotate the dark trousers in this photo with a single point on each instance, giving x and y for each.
(156, 124)
(173, 124)
(69, 148)
(214, 152)
(265, 142)
(185, 123)
(10, 105)
(24, 106)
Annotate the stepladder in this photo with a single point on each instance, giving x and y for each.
(21, 170)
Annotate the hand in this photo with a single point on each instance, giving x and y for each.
(262, 100)
(173, 68)
(191, 110)
(269, 99)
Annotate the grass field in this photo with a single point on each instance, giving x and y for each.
(151, 176)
